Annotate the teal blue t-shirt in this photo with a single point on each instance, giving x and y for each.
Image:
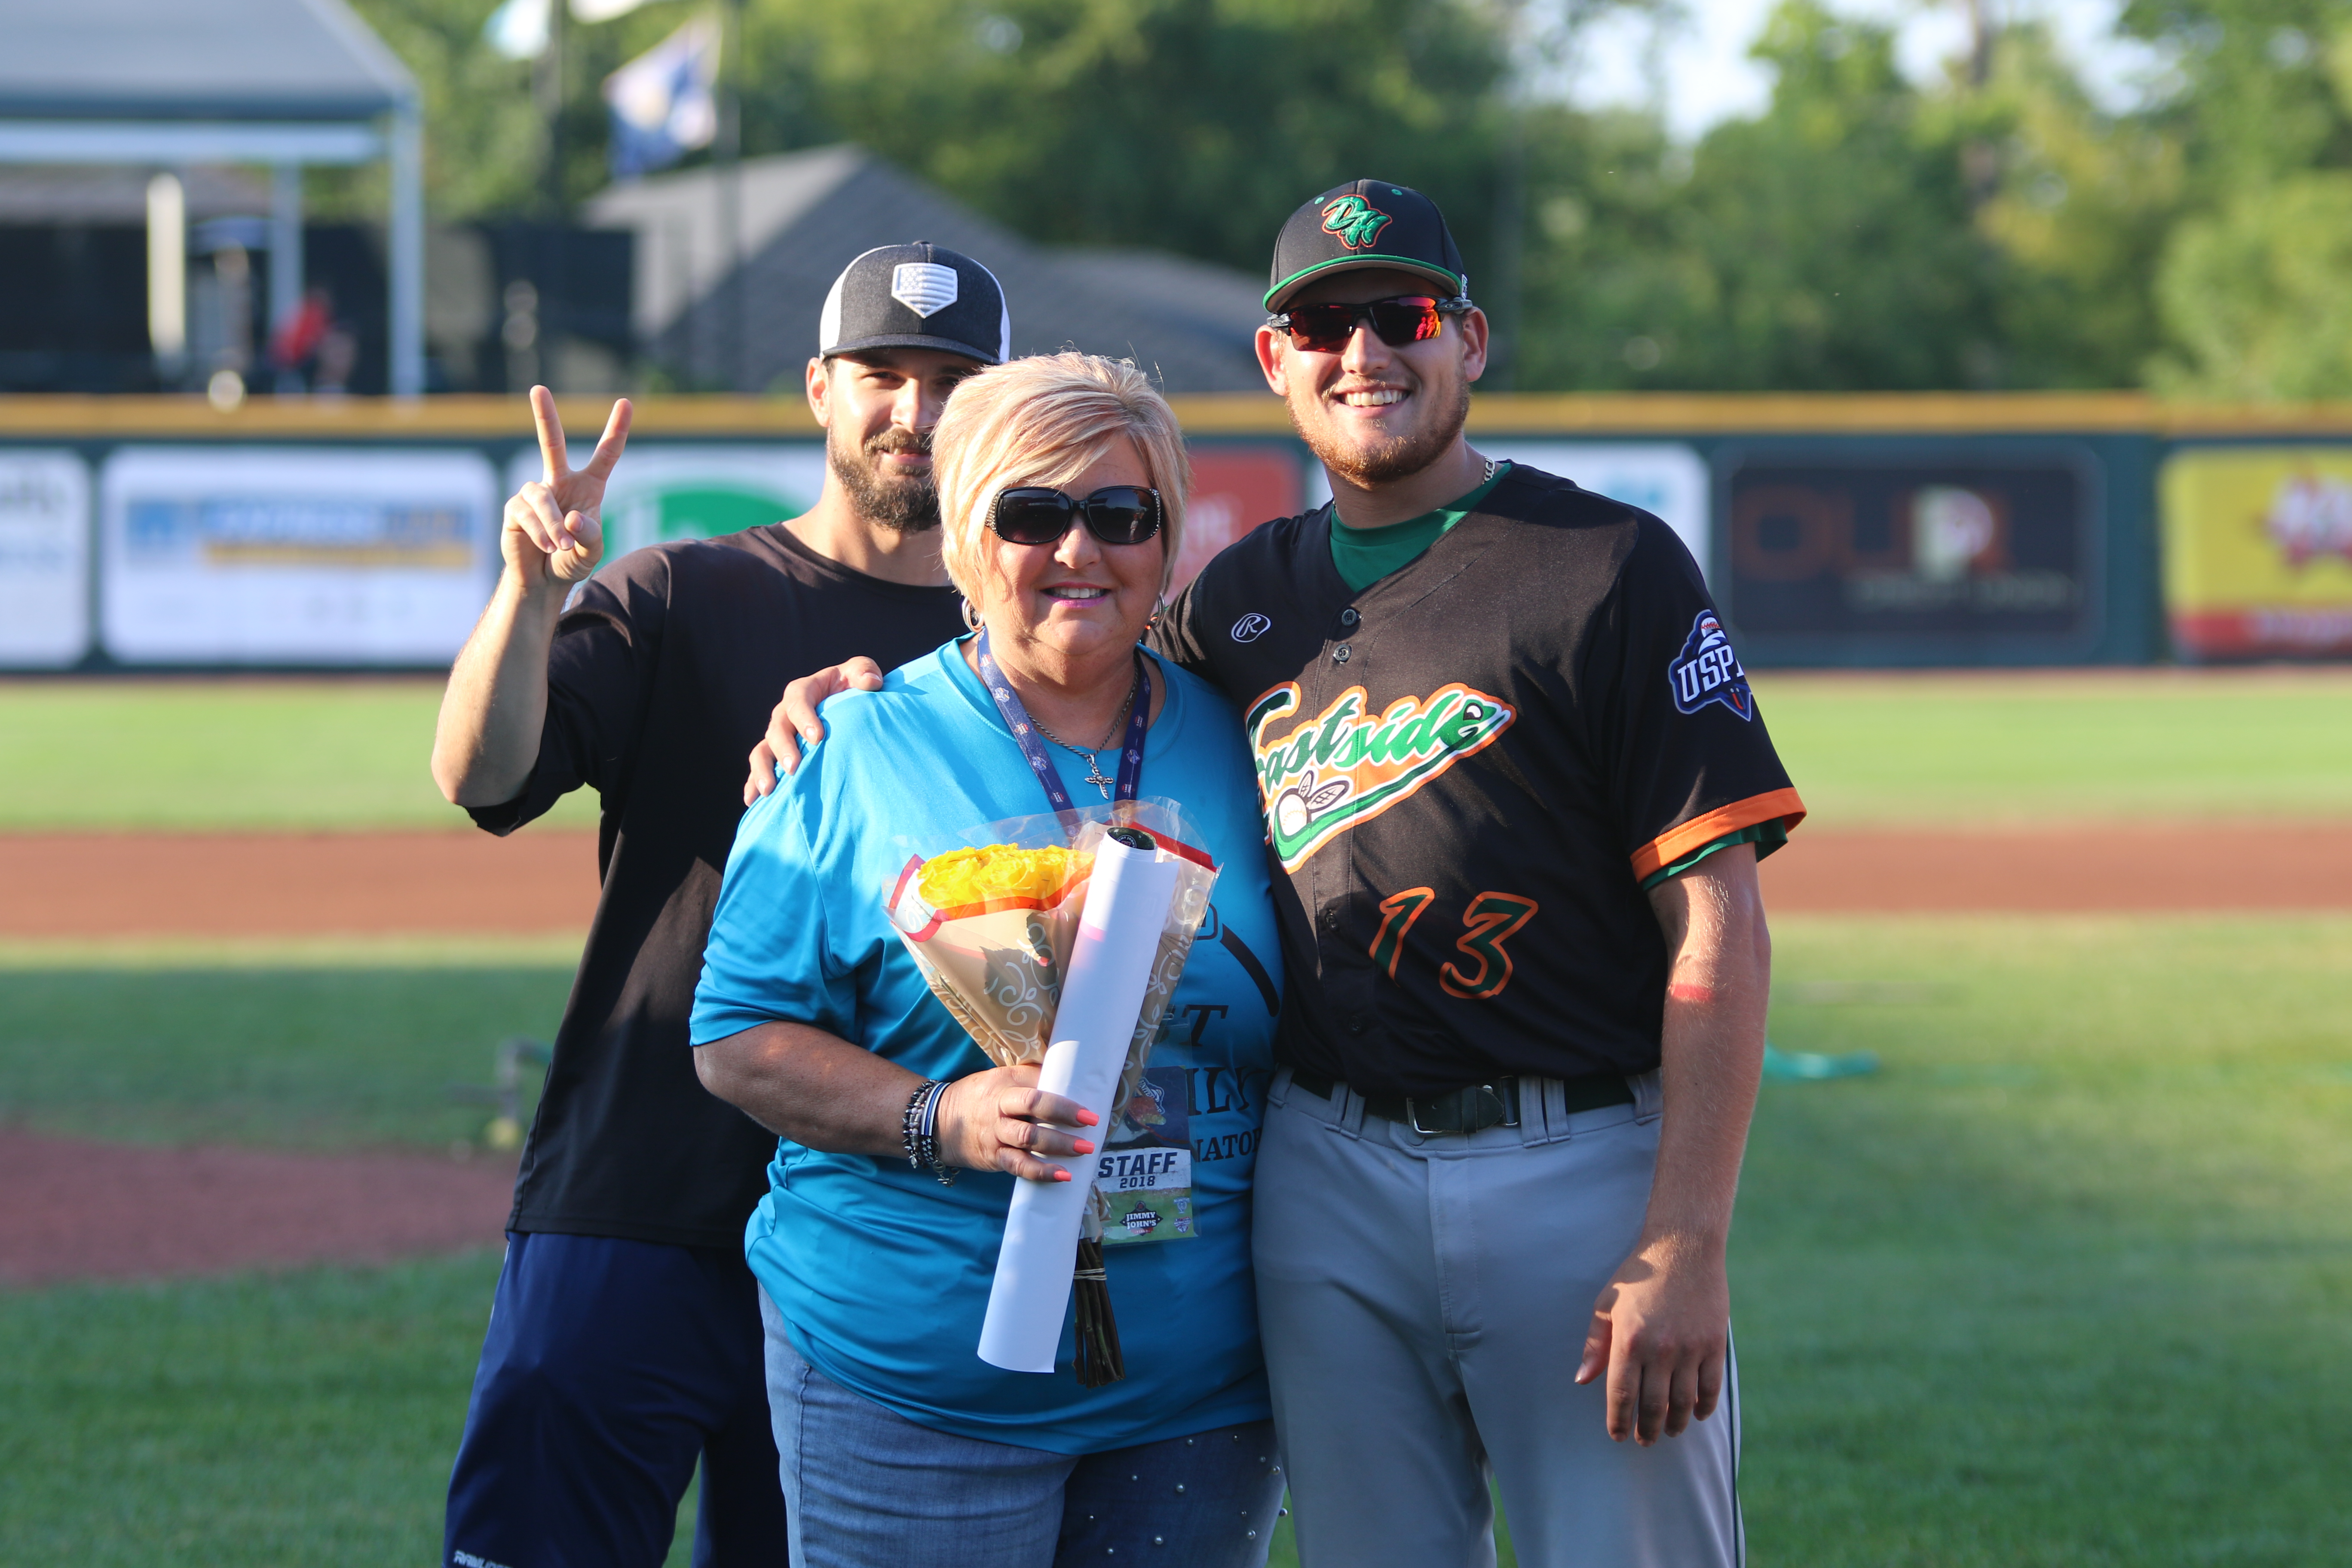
(881, 1273)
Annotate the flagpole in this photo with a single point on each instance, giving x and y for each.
(730, 188)
(547, 87)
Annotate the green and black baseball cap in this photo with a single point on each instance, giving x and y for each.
(1365, 223)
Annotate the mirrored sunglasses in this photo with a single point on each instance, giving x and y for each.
(1407, 319)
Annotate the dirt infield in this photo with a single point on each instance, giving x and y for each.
(261, 885)
(84, 1211)
(80, 1210)
(2147, 869)
(107, 885)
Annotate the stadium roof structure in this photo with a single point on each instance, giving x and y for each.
(166, 84)
(743, 316)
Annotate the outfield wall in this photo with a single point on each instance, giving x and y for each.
(1896, 529)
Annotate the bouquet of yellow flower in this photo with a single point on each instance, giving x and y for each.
(992, 926)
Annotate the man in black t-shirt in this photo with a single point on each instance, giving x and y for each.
(1516, 787)
(625, 1342)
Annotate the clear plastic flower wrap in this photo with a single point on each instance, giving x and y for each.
(991, 923)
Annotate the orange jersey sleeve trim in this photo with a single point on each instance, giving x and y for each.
(1677, 842)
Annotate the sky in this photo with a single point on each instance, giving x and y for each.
(1708, 76)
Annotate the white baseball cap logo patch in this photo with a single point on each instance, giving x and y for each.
(923, 287)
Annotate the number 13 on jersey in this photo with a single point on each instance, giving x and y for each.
(1485, 968)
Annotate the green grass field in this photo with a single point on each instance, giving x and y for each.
(2066, 747)
(2067, 1282)
(308, 1046)
(258, 755)
(347, 755)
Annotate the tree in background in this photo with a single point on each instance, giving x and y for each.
(1991, 229)
(484, 137)
(2258, 295)
(1186, 125)
(2079, 210)
(2255, 281)
(1826, 244)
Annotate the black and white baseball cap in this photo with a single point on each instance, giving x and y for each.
(919, 296)
(1365, 223)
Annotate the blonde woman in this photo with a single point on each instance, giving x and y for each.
(1061, 484)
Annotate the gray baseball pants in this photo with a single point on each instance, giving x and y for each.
(1424, 1303)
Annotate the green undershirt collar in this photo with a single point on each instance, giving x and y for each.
(1365, 555)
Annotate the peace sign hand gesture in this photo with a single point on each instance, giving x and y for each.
(554, 532)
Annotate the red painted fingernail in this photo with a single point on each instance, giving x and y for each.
(1060, 1174)
(1088, 1119)
(1085, 1147)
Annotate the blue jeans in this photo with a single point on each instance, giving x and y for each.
(865, 1486)
(610, 1368)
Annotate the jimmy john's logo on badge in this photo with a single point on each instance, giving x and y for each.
(1347, 765)
(1706, 670)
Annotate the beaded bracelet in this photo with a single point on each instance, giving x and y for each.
(919, 1132)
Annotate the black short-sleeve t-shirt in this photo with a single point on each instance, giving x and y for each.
(1468, 767)
(665, 668)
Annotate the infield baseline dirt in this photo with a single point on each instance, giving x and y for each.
(80, 1210)
(251, 885)
(84, 1210)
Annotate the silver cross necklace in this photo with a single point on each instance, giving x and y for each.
(1094, 758)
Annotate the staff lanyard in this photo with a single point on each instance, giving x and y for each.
(1033, 746)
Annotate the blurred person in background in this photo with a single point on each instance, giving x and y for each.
(624, 1343)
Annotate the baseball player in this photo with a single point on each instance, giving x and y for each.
(1517, 784)
(625, 1342)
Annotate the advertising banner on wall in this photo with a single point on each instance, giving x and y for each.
(664, 491)
(2258, 551)
(1663, 478)
(44, 560)
(667, 490)
(1962, 551)
(1237, 486)
(304, 555)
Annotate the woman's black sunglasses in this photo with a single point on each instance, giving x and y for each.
(1407, 319)
(1036, 514)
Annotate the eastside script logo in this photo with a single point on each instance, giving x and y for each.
(1354, 221)
(1346, 766)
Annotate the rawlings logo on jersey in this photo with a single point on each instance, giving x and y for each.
(1354, 222)
(1706, 670)
(1346, 766)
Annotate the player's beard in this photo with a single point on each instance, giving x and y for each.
(903, 504)
(1385, 460)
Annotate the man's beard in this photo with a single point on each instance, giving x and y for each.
(908, 504)
(1394, 457)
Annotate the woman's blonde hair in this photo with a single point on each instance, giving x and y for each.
(1043, 421)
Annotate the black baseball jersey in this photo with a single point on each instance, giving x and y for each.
(1467, 769)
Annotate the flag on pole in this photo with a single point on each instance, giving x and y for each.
(663, 102)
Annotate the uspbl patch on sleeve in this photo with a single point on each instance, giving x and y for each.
(1706, 670)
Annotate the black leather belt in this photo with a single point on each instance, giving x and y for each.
(1474, 1107)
